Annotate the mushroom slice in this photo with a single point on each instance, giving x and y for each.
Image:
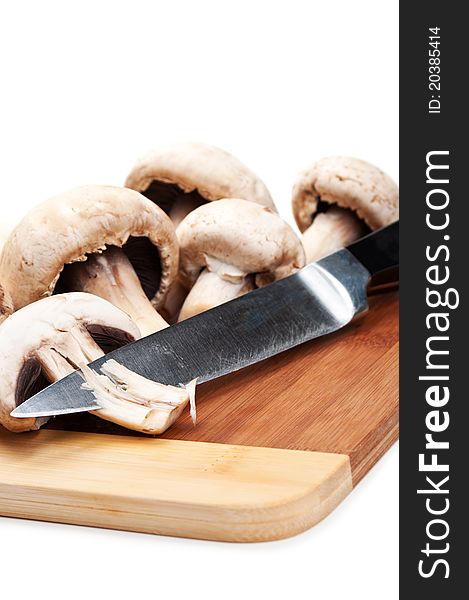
(49, 339)
(183, 176)
(6, 305)
(109, 241)
(229, 248)
(339, 199)
(135, 402)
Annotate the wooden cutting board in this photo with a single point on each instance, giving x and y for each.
(276, 448)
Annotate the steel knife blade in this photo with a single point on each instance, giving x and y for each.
(317, 300)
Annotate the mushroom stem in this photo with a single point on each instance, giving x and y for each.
(72, 349)
(126, 398)
(330, 231)
(211, 290)
(111, 276)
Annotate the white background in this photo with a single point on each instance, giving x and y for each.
(89, 86)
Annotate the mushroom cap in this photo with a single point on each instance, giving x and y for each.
(3, 235)
(236, 237)
(6, 305)
(350, 183)
(46, 324)
(84, 220)
(212, 172)
(6, 225)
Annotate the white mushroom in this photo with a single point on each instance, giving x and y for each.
(228, 248)
(339, 199)
(183, 176)
(50, 338)
(109, 241)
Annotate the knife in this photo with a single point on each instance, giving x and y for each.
(319, 299)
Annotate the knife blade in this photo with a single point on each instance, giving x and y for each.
(317, 300)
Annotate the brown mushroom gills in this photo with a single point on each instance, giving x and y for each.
(31, 380)
(173, 200)
(332, 228)
(121, 276)
(177, 204)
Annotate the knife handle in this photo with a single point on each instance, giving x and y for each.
(379, 250)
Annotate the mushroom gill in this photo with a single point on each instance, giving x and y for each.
(175, 202)
(31, 380)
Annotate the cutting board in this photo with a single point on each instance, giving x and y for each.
(276, 448)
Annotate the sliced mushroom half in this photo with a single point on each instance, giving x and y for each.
(230, 247)
(338, 200)
(108, 241)
(49, 339)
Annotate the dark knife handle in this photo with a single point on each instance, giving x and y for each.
(379, 250)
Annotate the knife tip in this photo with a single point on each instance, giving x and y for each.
(20, 413)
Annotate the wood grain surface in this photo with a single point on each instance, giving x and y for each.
(335, 394)
(192, 489)
(277, 446)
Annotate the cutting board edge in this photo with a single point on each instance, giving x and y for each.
(297, 490)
